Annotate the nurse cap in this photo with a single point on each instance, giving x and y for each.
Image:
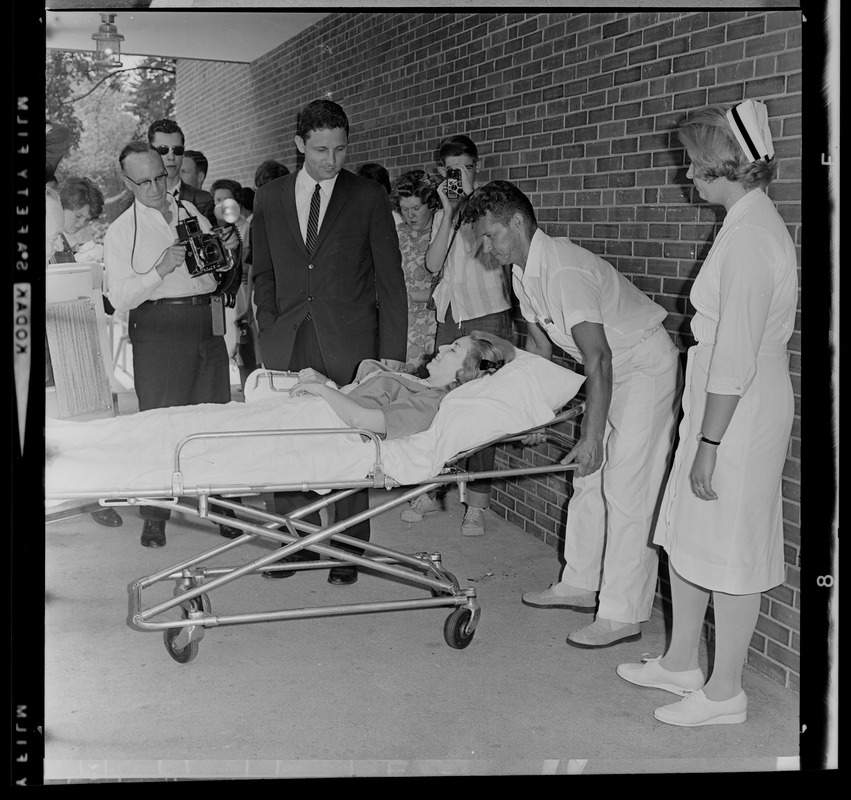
(749, 123)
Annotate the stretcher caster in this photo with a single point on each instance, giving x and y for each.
(455, 629)
(182, 655)
(182, 643)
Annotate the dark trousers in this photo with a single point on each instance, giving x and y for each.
(307, 353)
(177, 361)
(499, 324)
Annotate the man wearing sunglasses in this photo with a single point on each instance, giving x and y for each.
(166, 138)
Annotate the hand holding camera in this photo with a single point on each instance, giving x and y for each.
(454, 186)
(170, 260)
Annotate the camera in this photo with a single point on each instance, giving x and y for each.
(454, 188)
(205, 252)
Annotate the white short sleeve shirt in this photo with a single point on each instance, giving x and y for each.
(563, 284)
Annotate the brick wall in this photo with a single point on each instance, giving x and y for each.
(578, 111)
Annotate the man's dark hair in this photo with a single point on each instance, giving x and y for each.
(164, 126)
(137, 146)
(268, 171)
(321, 115)
(232, 186)
(458, 145)
(199, 159)
(377, 173)
(503, 200)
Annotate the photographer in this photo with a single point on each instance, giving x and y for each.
(472, 294)
(176, 319)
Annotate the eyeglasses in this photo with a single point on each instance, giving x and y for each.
(163, 149)
(159, 180)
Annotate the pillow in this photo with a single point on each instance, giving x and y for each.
(557, 384)
(522, 395)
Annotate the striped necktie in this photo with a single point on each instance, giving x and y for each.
(313, 221)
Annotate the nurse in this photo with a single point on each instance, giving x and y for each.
(721, 520)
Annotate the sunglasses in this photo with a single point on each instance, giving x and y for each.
(163, 149)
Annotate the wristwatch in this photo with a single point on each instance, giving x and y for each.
(702, 438)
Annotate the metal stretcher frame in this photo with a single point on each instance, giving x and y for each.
(194, 582)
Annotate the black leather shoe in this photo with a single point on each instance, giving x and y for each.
(342, 576)
(299, 555)
(108, 517)
(153, 533)
(228, 532)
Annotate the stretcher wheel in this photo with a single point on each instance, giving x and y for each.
(451, 578)
(183, 656)
(454, 630)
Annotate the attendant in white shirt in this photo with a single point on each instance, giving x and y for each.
(574, 299)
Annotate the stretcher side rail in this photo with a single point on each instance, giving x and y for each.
(563, 416)
(378, 472)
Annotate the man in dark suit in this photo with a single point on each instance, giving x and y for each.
(165, 136)
(328, 282)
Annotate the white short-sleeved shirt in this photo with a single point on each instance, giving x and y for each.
(563, 284)
(132, 246)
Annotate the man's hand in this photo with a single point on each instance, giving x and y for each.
(170, 260)
(395, 366)
(588, 454)
(532, 439)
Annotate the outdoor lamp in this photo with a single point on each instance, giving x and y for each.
(108, 41)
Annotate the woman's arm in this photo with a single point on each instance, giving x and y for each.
(352, 413)
(719, 411)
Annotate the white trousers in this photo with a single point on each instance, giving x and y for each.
(611, 514)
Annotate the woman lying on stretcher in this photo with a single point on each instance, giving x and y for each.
(395, 404)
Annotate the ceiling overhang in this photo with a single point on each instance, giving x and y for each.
(237, 36)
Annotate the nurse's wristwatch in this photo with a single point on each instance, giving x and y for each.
(702, 438)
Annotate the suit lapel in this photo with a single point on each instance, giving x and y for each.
(290, 210)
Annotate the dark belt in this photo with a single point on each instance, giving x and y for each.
(191, 300)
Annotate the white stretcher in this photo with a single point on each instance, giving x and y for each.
(518, 399)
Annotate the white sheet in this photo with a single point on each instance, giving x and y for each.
(125, 455)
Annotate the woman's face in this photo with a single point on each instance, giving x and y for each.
(449, 358)
(703, 186)
(76, 219)
(416, 213)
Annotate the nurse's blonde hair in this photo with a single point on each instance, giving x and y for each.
(715, 152)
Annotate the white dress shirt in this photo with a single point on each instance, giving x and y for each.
(135, 242)
(304, 186)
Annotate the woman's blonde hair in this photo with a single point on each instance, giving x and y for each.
(715, 152)
(486, 355)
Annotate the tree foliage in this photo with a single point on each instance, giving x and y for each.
(152, 91)
(103, 110)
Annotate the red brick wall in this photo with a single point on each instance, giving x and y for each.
(577, 110)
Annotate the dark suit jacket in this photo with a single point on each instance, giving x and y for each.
(202, 200)
(353, 285)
